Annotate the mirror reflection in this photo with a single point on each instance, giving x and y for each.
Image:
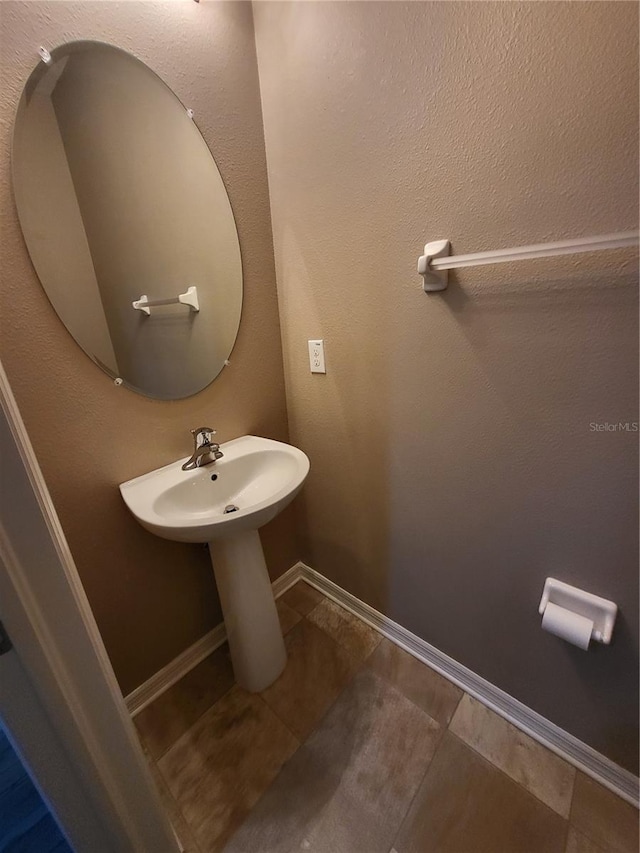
(120, 201)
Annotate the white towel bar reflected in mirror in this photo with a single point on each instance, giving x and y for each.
(189, 298)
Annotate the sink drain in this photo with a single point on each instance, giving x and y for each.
(230, 508)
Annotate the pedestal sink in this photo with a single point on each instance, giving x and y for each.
(224, 504)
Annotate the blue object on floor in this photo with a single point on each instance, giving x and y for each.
(26, 824)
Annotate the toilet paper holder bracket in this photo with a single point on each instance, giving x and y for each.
(598, 610)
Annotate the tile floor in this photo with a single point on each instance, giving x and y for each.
(360, 748)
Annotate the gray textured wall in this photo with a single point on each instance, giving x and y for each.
(453, 466)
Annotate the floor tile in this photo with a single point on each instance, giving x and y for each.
(354, 635)
(429, 690)
(579, 843)
(465, 805)
(347, 789)
(302, 597)
(173, 811)
(165, 720)
(287, 615)
(317, 669)
(604, 818)
(538, 769)
(221, 766)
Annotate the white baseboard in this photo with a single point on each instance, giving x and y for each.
(167, 676)
(579, 754)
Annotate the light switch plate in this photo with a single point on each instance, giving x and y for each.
(316, 357)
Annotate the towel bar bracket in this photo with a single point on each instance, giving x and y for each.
(434, 280)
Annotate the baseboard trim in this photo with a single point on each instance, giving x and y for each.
(579, 754)
(166, 677)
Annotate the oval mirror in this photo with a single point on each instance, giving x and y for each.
(127, 220)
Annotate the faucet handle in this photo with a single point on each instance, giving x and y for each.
(202, 435)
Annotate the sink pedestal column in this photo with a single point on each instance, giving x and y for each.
(250, 616)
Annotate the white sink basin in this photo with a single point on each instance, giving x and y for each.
(257, 475)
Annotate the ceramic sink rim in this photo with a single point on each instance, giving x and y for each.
(142, 494)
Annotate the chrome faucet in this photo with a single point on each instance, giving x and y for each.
(205, 451)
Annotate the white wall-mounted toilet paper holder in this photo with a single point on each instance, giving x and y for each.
(599, 610)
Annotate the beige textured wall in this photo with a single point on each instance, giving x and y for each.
(151, 598)
(452, 462)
